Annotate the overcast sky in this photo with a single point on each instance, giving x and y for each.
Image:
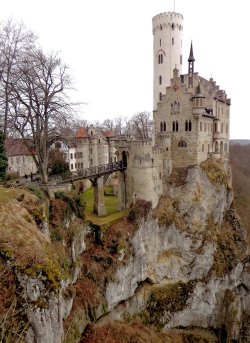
(108, 46)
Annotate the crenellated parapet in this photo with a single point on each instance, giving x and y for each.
(167, 20)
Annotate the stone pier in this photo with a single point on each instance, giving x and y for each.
(99, 202)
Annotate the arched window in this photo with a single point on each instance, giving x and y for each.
(160, 80)
(161, 126)
(186, 125)
(221, 147)
(164, 126)
(160, 96)
(173, 126)
(216, 147)
(190, 125)
(182, 144)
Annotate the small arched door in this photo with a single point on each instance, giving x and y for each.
(124, 159)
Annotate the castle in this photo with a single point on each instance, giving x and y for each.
(191, 119)
(91, 147)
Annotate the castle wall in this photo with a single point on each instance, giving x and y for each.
(144, 174)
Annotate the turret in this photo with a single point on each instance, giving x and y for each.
(198, 102)
(167, 31)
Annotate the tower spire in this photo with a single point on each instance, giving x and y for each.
(191, 60)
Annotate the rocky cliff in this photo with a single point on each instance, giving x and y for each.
(179, 272)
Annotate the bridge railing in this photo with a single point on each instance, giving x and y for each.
(99, 170)
(89, 173)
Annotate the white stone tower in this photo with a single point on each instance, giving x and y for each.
(167, 31)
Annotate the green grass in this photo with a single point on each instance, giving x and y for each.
(111, 203)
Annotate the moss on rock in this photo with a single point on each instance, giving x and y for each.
(167, 299)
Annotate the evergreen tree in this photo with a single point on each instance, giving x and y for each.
(3, 158)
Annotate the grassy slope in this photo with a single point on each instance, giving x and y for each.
(240, 162)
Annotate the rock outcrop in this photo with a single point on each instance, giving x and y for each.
(183, 264)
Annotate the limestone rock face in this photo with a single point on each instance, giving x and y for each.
(193, 236)
(184, 265)
(47, 309)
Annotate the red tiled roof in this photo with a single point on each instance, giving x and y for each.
(108, 134)
(17, 147)
(82, 133)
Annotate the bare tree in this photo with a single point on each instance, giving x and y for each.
(108, 125)
(142, 125)
(15, 40)
(39, 104)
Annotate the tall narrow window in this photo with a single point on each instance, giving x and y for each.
(173, 126)
(186, 125)
(180, 59)
(216, 147)
(172, 40)
(160, 80)
(190, 125)
(161, 126)
(160, 96)
(161, 58)
(164, 126)
(160, 42)
(176, 126)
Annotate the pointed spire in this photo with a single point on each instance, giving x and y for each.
(191, 66)
(191, 54)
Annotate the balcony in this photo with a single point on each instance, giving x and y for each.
(217, 135)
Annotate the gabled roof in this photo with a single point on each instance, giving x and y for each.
(82, 133)
(17, 147)
(108, 134)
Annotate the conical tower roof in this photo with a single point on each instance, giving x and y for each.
(191, 54)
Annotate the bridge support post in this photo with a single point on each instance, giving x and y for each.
(99, 202)
(122, 192)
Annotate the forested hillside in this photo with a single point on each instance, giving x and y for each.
(240, 161)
